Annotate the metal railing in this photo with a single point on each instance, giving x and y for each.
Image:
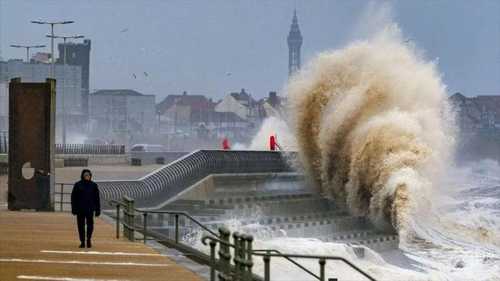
(241, 268)
(4, 141)
(90, 149)
(130, 212)
(243, 261)
(59, 196)
(127, 208)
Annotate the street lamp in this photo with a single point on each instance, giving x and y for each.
(52, 74)
(28, 49)
(64, 80)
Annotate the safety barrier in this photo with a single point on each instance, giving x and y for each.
(76, 162)
(168, 181)
(230, 265)
(90, 149)
(4, 142)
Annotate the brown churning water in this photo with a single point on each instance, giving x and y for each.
(371, 127)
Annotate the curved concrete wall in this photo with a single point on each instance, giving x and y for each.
(168, 181)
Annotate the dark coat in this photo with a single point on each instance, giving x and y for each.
(85, 197)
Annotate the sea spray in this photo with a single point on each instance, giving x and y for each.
(370, 126)
(273, 126)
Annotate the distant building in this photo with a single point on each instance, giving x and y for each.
(68, 88)
(241, 104)
(294, 41)
(219, 124)
(176, 112)
(79, 54)
(39, 72)
(121, 112)
(272, 106)
(40, 58)
(4, 106)
(477, 113)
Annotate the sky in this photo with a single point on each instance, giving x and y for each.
(218, 46)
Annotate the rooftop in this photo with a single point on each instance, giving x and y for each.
(196, 102)
(125, 92)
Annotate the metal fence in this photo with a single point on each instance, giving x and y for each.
(62, 197)
(90, 149)
(233, 261)
(71, 148)
(4, 142)
(138, 224)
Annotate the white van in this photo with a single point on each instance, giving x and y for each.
(147, 148)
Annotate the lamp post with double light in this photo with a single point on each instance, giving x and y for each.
(52, 73)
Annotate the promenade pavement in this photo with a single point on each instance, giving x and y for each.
(44, 246)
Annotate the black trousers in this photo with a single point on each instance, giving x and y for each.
(89, 219)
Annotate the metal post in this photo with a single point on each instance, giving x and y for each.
(132, 220)
(176, 228)
(322, 269)
(117, 221)
(224, 254)
(145, 226)
(236, 257)
(63, 94)
(212, 260)
(249, 260)
(242, 256)
(267, 268)
(128, 229)
(52, 74)
(61, 197)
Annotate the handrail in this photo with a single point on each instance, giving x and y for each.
(322, 258)
(255, 251)
(197, 222)
(213, 233)
(209, 231)
(266, 253)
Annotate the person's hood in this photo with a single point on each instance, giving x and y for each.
(85, 171)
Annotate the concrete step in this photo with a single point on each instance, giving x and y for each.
(241, 198)
(288, 207)
(377, 242)
(315, 226)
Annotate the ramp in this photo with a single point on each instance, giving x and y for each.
(170, 180)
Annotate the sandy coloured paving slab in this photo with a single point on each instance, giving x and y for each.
(44, 246)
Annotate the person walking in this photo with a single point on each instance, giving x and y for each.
(84, 203)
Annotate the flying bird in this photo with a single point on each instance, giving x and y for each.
(133, 74)
(124, 30)
(145, 74)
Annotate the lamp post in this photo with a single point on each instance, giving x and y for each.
(64, 81)
(52, 72)
(28, 49)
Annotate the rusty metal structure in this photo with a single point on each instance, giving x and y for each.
(31, 144)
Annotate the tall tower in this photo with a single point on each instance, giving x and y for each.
(294, 40)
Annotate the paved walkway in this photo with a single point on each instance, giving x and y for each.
(44, 246)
